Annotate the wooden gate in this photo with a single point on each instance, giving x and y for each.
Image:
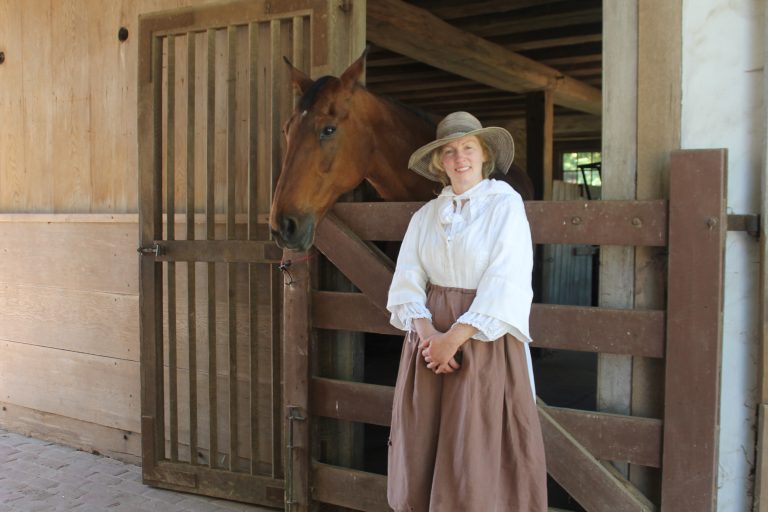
(692, 224)
(213, 94)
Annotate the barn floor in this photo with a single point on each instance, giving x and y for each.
(38, 476)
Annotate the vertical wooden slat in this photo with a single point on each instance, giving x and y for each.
(253, 216)
(231, 267)
(170, 146)
(190, 220)
(276, 278)
(619, 153)
(697, 229)
(210, 212)
(150, 213)
(296, 326)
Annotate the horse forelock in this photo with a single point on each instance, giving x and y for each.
(310, 96)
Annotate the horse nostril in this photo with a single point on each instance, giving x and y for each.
(287, 226)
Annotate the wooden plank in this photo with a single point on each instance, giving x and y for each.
(210, 208)
(231, 270)
(84, 256)
(593, 485)
(416, 33)
(587, 329)
(349, 488)
(256, 366)
(619, 153)
(97, 323)
(150, 228)
(61, 382)
(552, 222)
(697, 226)
(614, 436)
(365, 266)
(351, 401)
(12, 104)
(190, 235)
(170, 210)
(659, 93)
(221, 251)
(604, 330)
(218, 484)
(71, 113)
(761, 463)
(117, 443)
(606, 436)
(296, 330)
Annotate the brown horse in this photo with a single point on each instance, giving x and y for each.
(339, 135)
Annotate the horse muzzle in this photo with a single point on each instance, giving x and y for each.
(294, 232)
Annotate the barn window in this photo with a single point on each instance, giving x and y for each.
(582, 167)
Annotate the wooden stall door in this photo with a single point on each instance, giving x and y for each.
(214, 92)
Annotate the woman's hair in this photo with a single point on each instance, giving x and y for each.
(436, 165)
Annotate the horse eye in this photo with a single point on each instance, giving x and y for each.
(327, 132)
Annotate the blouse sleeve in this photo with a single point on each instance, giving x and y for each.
(504, 292)
(408, 292)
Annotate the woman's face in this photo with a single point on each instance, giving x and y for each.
(463, 160)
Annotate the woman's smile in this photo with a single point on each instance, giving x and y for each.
(463, 160)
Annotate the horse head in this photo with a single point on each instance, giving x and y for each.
(325, 154)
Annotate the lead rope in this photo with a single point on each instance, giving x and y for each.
(285, 266)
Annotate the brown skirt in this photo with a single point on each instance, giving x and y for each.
(467, 441)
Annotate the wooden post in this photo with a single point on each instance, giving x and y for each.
(659, 64)
(150, 272)
(539, 128)
(619, 161)
(296, 329)
(697, 229)
(761, 476)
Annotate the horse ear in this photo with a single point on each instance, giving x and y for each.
(353, 74)
(301, 80)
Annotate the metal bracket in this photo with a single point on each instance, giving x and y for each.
(294, 415)
(155, 249)
(749, 223)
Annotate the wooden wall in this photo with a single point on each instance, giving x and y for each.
(69, 333)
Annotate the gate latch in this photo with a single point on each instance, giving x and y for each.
(150, 249)
(294, 415)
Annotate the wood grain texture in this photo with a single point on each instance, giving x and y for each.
(694, 330)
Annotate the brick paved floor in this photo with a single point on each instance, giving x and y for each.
(38, 476)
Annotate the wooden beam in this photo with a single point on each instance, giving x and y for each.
(540, 118)
(552, 222)
(697, 227)
(588, 329)
(416, 33)
(605, 436)
(593, 485)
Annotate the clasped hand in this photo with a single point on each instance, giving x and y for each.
(438, 350)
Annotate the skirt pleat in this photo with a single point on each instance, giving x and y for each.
(470, 440)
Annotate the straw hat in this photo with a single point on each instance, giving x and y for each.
(461, 124)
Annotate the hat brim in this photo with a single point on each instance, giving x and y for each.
(499, 139)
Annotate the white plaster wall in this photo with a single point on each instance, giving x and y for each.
(723, 45)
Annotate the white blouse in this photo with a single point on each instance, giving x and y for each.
(479, 240)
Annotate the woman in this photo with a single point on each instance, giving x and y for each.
(465, 432)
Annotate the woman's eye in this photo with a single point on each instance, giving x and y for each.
(327, 131)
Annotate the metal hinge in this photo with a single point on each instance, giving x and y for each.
(150, 249)
(749, 223)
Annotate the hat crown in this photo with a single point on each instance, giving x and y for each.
(457, 123)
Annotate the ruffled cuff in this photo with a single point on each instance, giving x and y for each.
(403, 315)
(490, 328)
